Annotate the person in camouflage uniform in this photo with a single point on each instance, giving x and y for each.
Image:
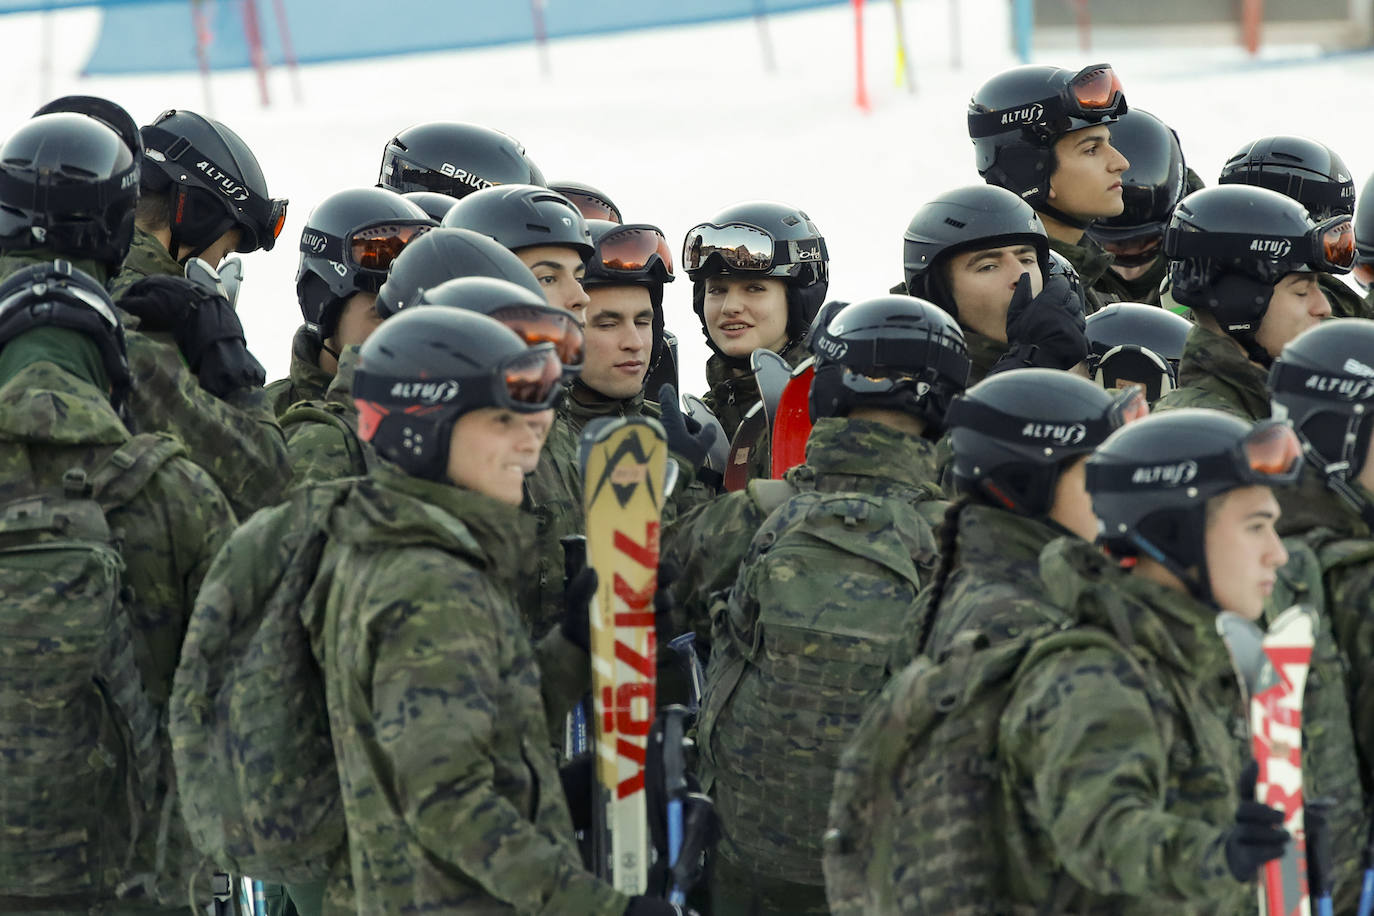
(1315, 176)
(1092, 736)
(759, 273)
(1043, 134)
(803, 645)
(63, 379)
(1019, 441)
(216, 409)
(347, 245)
(422, 637)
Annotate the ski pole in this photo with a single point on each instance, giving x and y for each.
(1367, 889)
(675, 786)
(1316, 820)
(574, 559)
(698, 835)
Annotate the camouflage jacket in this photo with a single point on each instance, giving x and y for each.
(1214, 372)
(451, 793)
(306, 380)
(51, 421)
(553, 494)
(733, 391)
(804, 644)
(1092, 262)
(322, 449)
(983, 353)
(1345, 302)
(708, 543)
(994, 583)
(147, 257)
(1144, 288)
(1119, 767)
(236, 440)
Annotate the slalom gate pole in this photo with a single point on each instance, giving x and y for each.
(288, 49)
(860, 84)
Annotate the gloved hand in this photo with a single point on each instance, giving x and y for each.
(1045, 331)
(656, 906)
(577, 602)
(576, 776)
(1258, 835)
(686, 436)
(205, 327)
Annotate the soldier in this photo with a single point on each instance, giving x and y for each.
(89, 818)
(1043, 134)
(1151, 188)
(1093, 735)
(347, 246)
(1020, 440)
(1315, 176)
(216, 408)
(968, 252)
(454, 159)
(423, 638)
(821, 595)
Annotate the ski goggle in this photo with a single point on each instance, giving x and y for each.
(741, 246)
(1329, 247)
(554, 326)
(1130, 364)
(529, 382)
(634, 251)
(1047, 434)
(371, 248)
(1094, 94)
(1271, 453)
(591, 206)
(526, 382)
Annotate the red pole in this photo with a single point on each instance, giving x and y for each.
(201, 24)
(288, 49)
(860, 84)
(1252, 16)
(1084, 25)
(254, 36)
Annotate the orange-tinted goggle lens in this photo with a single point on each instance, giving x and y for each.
(277, 217)
(538, 327)
(592, 207)
(1338, 245)
(533, 378)
(1364, 272)
(1096, 89)
(632, 250)
(375, 247)
(1273, 450)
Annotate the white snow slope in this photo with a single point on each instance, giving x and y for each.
(677, 123)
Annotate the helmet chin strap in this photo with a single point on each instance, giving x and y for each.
(1334, 474)
(1076, 222)
(1195, 578)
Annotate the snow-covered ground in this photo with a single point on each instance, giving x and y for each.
(677, 123)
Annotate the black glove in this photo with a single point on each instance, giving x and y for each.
(1045, 331)
(205, 327)
(577, 776)
(656, 906)
(685, 435)
(577, 608)
(1258, 835)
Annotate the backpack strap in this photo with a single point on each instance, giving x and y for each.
(312, 412)
(769, 495)
(126, 472)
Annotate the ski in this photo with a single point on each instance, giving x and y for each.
(1273, 668)
(624, 473)
(771, 373)
(792, 425)
(720, 449)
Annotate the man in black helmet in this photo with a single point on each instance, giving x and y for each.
(455, 159)
(1043, 133)
(216, 408)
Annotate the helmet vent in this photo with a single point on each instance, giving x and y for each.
(790, 220)
(535, 227)
(957, 224)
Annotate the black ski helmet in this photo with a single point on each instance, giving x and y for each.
(446, 254)
(454, 158)
(434, 204)
(633, 255)
(422, 370)
(522, 216)
(1133, 342)
(1323, 383)
(589, 201)
(57, 295)
(967, 218)
(69, 183)
(215, 182)
(347, 246)
(1307, 171)
(525, 312)
(1015, 118)
(893, 352)
(1015, 432)
(1364, 224)
(1150, 482)
(760, 237)
(1228, 246)
(1150, 188)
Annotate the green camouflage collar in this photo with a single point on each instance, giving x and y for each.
(862, 448)
(1009, 537)
(14, 261)
(584, 403)
(1089, 258)
(1215, 363)
(306, 374)
(983, 352)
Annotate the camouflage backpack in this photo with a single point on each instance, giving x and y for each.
(916, 804)
(81, 751)
(800, 648)
(297, 419)
(250, 731)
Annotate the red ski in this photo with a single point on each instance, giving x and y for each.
(792, 426)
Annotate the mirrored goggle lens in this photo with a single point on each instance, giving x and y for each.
(633, 249)
(740, 247)
(539, 327)
(1096, 88)
(1338, 243)
(592, 207)
(375, 247)
(532, 379)
(1273, 450)
(276, 217)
